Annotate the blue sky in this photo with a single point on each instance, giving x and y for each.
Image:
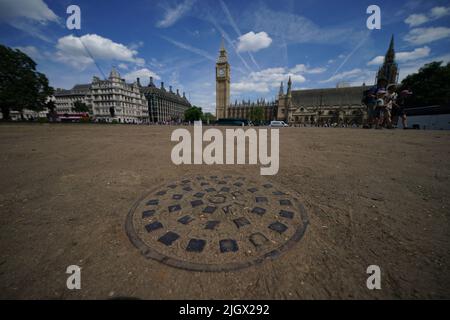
(318, 43)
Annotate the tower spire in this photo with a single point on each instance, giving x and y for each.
(289, 86)
(389, 70)
(223, 53)
(222, 44)
(390, 54)
(281, 89)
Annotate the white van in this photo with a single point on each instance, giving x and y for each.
(278, 124)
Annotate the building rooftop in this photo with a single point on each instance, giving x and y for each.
(163, 91)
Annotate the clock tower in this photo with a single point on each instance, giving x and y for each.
(222, 84)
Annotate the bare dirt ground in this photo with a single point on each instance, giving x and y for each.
(373, 198)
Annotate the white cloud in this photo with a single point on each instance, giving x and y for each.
(35, 10)
(421, 36)
(143, 74)
(439, 12)
(414, 66)
(72, 50)
(376, 61)
(415, 20)
(28, 16)
(240, 87)
(301, 68)
(190, 48)
(346, 75)
(31, 51)
(172, 15)
(253, 41)
(123, 66)
(265, 80)
(401, 57)
(293, 28)
(435, 13)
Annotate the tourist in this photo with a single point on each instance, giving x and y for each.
(370, 100)
(391, 105)
(404, 94)
(380, 109)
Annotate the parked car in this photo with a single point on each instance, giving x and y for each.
(278, 124)
(234, 122)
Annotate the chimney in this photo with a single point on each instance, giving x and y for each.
(162, 85)
(138, 82)
(178, 92)
(170, 88)
(184, 95)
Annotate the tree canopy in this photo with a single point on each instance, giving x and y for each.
(79, 106)
(194, 113)
(208, 116)
(430, 86)
(256, 114)
(21, 86)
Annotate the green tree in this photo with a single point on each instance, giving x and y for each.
(430, 86)
(21, 86)
(194, 113)
(208, 117)
(79, 106)
(256, 114)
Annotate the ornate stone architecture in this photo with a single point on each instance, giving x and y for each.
(389, 69)
(164, 105)
(223, 78)
(331, 106)
(252, 110)
(323, 106)
(110, 100)
(65, 99)
(259, 111)
(115, 100)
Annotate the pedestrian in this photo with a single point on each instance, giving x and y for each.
(391, 105)
(402, 99)
(380, 109)
(370, 100)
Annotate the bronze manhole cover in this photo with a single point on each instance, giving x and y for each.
(212, 223)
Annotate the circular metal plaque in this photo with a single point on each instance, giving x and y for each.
(216, 223)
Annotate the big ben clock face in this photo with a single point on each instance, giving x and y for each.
(221, 72)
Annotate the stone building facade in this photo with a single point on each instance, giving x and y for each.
(110, 100)
(164, 105)
(265, 111)
(389, 70)
(340, 105)
(223, 80)
(65, 99)
(323, 106)
(115, 100)
(249, 110)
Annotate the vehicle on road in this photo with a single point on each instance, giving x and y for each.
(278, 124)
(234, 122)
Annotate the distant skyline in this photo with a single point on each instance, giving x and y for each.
(317, 43)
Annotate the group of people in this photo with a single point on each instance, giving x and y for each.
(385, 106)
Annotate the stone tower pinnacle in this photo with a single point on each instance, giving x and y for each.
(281, 92)
(389, 70)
